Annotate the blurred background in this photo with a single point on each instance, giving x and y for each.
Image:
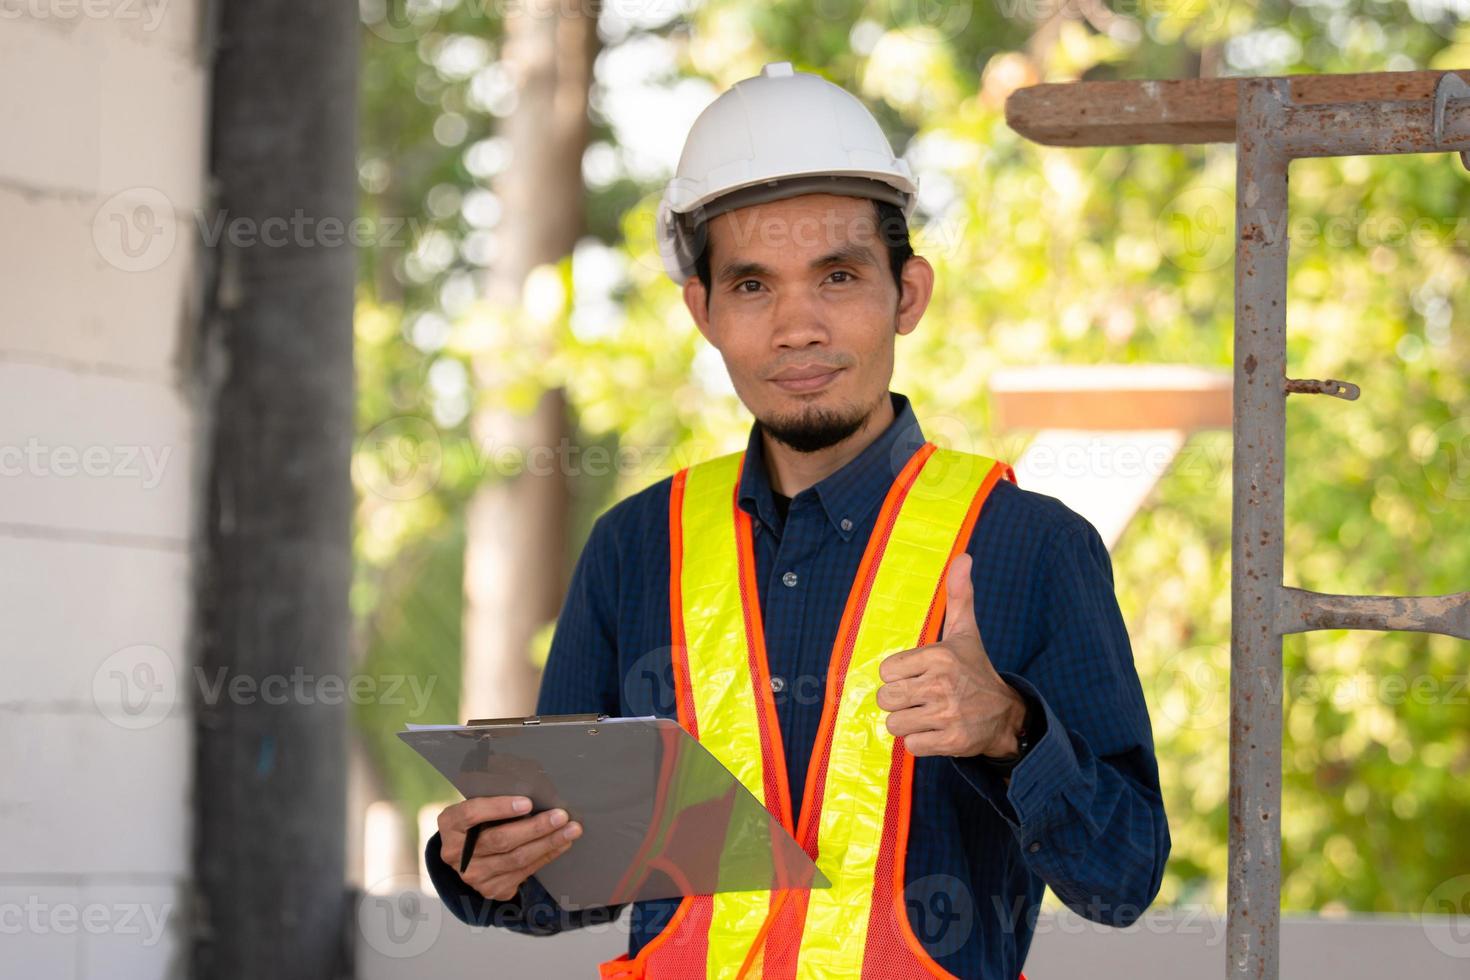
(328, 331)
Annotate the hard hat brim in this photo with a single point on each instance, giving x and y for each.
(686, 230)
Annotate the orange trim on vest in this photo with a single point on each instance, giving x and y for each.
(782, 943)
(760, 671)
(777, 783)
(683, 693)
(889, 920)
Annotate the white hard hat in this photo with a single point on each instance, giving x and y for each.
(778, 134)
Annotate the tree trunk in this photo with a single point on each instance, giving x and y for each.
(273, 626)
(516, 539)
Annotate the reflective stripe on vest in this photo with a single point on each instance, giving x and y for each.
(856, 801)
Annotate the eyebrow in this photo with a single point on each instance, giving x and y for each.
(849, 254)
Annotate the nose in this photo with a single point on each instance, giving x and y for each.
(800, 321)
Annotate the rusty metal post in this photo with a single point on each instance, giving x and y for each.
(1271, 132)
(1258, 521)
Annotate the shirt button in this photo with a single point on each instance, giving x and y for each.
(1035, 846)
(846, 524)
(778, 683)
(789, 580)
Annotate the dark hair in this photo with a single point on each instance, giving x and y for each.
(893, 228)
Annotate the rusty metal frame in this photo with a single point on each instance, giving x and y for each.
(1271, 132)
(1396, 114)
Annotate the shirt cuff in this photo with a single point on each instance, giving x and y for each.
(532, 910)
(1037, 781)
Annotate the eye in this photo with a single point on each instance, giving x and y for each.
(843, 272)
(743, 282)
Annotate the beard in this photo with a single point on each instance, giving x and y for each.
(816, 428)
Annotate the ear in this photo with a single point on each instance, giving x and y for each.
(918, 287)
(695, 298)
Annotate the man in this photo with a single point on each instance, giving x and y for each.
(940, 779)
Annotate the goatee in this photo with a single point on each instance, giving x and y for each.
(814, 429)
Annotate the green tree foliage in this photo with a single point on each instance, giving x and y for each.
(1044, 255)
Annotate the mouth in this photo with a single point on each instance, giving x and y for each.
(812, 382)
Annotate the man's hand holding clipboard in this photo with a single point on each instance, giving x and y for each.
(496, 843)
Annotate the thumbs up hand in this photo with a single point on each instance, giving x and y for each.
(946, 698)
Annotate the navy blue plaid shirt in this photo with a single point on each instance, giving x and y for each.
(1080, 813)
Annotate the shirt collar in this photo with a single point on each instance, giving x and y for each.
(852, 492)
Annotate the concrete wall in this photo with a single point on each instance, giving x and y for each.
(103, 139)
(413, 936)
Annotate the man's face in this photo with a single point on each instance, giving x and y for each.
(803, 308)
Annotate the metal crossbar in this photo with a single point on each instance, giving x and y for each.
(1400, 115)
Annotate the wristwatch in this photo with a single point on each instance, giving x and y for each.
(1025, 739)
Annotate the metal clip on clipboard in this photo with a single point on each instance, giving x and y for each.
(473, 834)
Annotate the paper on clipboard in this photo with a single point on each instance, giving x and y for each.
(661, 816)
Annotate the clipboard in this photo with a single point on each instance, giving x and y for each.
(661, 816)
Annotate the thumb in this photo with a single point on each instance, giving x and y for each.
(959, 603)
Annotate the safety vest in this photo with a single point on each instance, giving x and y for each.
(854, 817)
